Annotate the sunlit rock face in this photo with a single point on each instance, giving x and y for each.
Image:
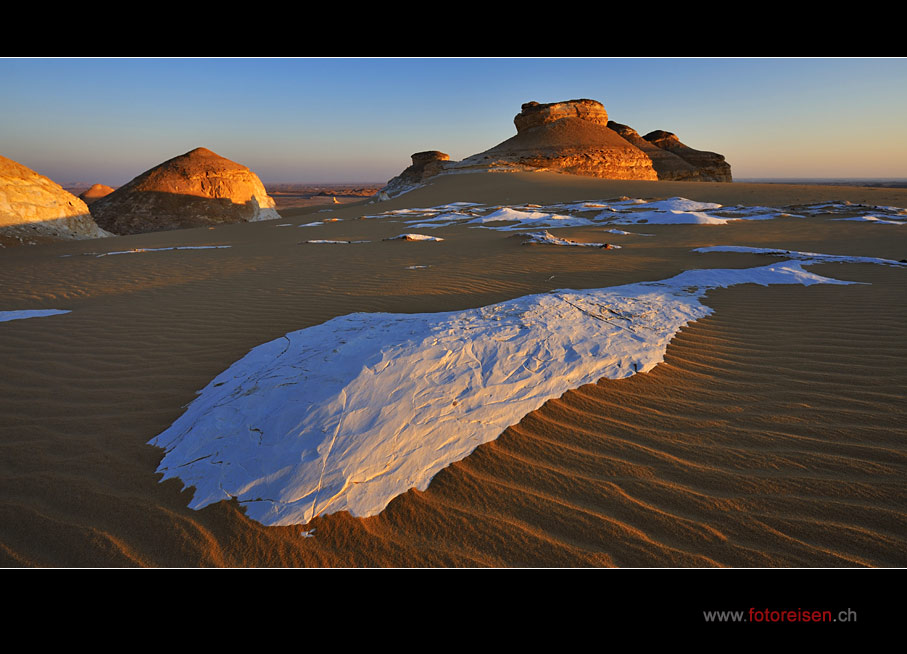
(196, 189)
(31, 205)
(711, 166)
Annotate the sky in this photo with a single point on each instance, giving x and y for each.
(320, 120)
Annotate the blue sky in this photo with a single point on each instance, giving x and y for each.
(358, 120)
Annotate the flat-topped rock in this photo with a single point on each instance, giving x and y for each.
(31, 205)
(711, 165)
(196, 189)
(534, 114)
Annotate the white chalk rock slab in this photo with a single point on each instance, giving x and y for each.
(29, 313)
(805, 257)
(346, 415)
(547, 238)
(414, 237)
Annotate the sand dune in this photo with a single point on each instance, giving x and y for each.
(772, 434)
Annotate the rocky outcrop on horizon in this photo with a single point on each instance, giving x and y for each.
(95, 192)
(711, 166)
(32, 205)
(196, 189)
(574, 137)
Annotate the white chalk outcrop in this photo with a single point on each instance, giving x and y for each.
(32, 205)
(346, 415)
(547, 238)
(196, 189)
(22, 314)
(805, 257)
(414, 237)
(624, 211)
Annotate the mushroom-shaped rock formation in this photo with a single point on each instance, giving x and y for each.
(196, 189)
(711, 166)
(31, 205)
(96, 192)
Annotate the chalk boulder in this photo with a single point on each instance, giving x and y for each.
(196, 189)
(31, 205)
(96, 192)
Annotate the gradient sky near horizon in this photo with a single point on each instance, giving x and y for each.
(319, 120)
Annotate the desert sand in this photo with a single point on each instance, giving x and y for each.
(299, 196)
(772, 435)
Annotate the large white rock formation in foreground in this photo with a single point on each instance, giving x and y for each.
(347, 415)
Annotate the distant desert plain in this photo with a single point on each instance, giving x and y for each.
(510, 361)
